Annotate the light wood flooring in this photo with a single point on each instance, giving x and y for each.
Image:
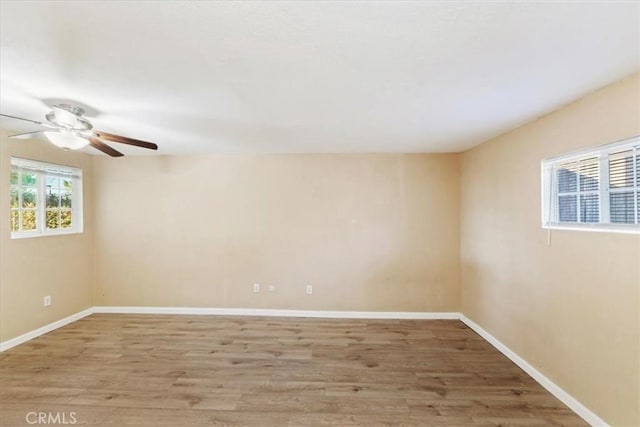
(171, 370)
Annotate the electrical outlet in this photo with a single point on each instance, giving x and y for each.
(256, 287)
(272, 288)
(47, 301)
(308, 289)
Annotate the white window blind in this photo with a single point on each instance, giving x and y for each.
(596, 189)
(624, 188)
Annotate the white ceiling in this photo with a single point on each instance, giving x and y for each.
(310, 76)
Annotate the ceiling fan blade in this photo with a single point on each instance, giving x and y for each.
(27, 135)
(99, 145)
(29, 120)
(125, 140)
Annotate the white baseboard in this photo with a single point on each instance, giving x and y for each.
(279, 313)
(6, 345)
(554, 389)
(545, 382)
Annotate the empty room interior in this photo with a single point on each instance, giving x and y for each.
(285, 213)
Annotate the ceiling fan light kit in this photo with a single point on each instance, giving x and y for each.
(71, 131)
(66, 140)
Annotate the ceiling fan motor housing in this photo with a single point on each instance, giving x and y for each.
(69, 117)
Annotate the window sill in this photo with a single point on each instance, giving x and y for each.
(599, 228)
(28, 235)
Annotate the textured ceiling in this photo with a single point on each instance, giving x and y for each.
(310, 76)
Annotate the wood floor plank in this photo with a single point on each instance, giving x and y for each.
(172, 370)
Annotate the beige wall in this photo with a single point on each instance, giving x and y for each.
(570, 308)
(372, 232)
(59, 266)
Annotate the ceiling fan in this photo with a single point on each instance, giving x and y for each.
(71, 131)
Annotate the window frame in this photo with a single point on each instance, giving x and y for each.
(549, 193)
(41, 168)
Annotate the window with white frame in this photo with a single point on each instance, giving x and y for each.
(46, 199)
(596, 189)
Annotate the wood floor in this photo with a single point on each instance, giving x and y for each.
(168, 370)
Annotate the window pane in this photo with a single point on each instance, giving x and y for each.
(53, 198)
(29, 198)
(567, 209)
(29, 220)
(566, 176)
(65, 199)
(580, 188)
(589, 174)
(590, 208)
(15, 218)
(52, 181)
(65, 221)
(29, 178)
(621, 170)
(14, 176)
(14, 197)
(65, 183)
(622, 208)
(52, 218)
